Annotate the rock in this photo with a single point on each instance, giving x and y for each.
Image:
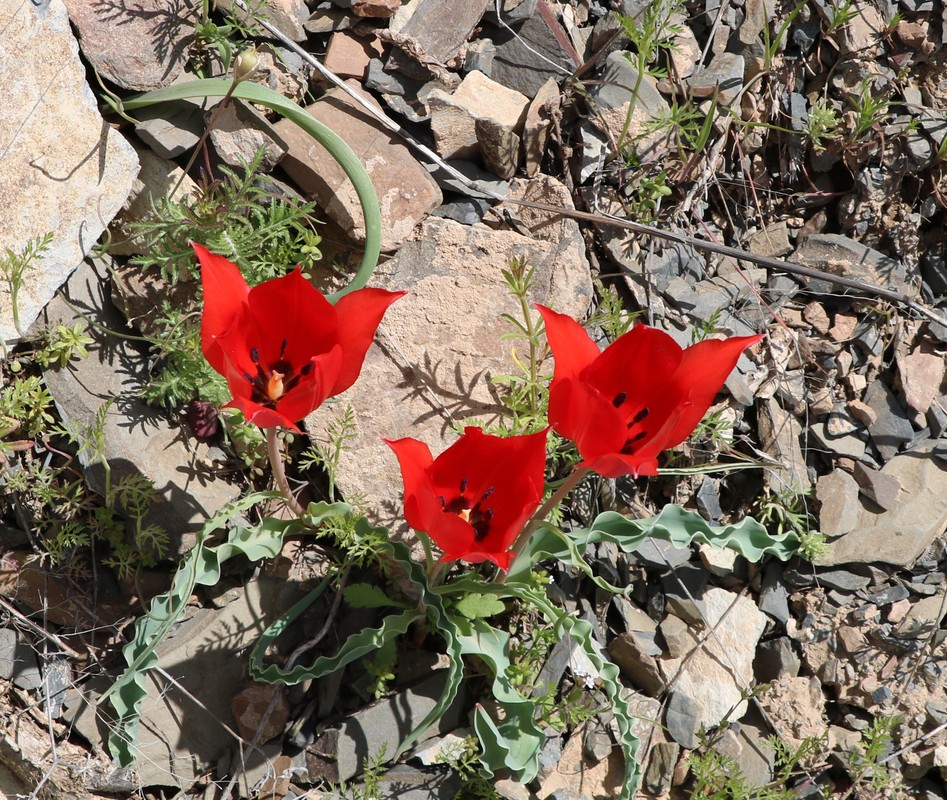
(441, 749)
(339, 753)
(840, 255)
(773, 240)
(172, 129)
(722, 79)
(377, 9)
(660, 768)
(440, 345)
(139, 294)
(240, 131)
(922, 374)
(479, 56)
(900, 535)
(745, 745)
(674, 632)
(455, 118)
(157, 179)
(438, 29)
(348, 55)
(718, 561)
(466, 211)
(637, 622)
(708, 684)
(64, 170)
(776, 659)
(538, 51)
(137, 440)
(613, 97)
(839, 506)
(881, 489)
(256, 721)
(683, 592)
(18, 661)
(206, 657)
(536, 127)
(575, 777)
(289, 17)
(850, 445)
(774, 596)
(922, 618)
(891, 429)
(406, 192)
(780, 435)
(630, 652)
(138, 44)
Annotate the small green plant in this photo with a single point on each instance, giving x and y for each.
(773, 43)
(464, 760)
(612, 316)
(14, 268)
(785, 511)
(719, 777)
(822, 125)
(869, 109)
(686, 125)
(650, 33)
(62, 343)
(865, 762)
(381, 670)
(26, 401)
(647, 192)
(341, 432)
(840, 14)
(235, 217)
(225, 39)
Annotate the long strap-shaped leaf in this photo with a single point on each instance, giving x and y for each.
(335, 144)
(201, 566)
(367, 641)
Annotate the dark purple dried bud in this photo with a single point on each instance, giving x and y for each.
(202, 419)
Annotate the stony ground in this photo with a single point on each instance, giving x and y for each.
(789, 161)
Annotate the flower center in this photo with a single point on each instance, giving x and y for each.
(274, 380)
(474, 514)
(635, 434)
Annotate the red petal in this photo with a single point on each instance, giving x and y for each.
(580, 413)
(359, 313)
(312, 389)
(572, 347)
(261, 416)
(421, 506)
(225, 295)
(703, 370)
(291, 309)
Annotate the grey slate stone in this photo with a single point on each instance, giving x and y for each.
(891, 428)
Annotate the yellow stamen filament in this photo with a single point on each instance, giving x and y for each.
(274, 385)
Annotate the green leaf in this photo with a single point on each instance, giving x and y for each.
(364, 595)
(514, 742)
(200, 566)
(479, 606)
(338, 148)
(673, 524)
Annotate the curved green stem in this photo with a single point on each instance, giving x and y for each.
(336, 145)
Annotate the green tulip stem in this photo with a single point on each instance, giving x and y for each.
(279, 471)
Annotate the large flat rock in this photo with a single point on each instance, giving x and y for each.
(903, 532)
(62, 168)
(441, 344)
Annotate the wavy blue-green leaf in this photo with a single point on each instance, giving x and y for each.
(338, 148)
(673, 524)
(355, 647)
(514, 742)
(201, 565)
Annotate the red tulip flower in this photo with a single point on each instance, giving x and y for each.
(283, 347)
(475, 498)
(641, 395)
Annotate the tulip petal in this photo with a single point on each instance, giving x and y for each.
(290, 309)
(703, 370)
(225, 297)
(571, 345)
(261, 416)
(579, 412)
(421, 508)
(359, 313)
